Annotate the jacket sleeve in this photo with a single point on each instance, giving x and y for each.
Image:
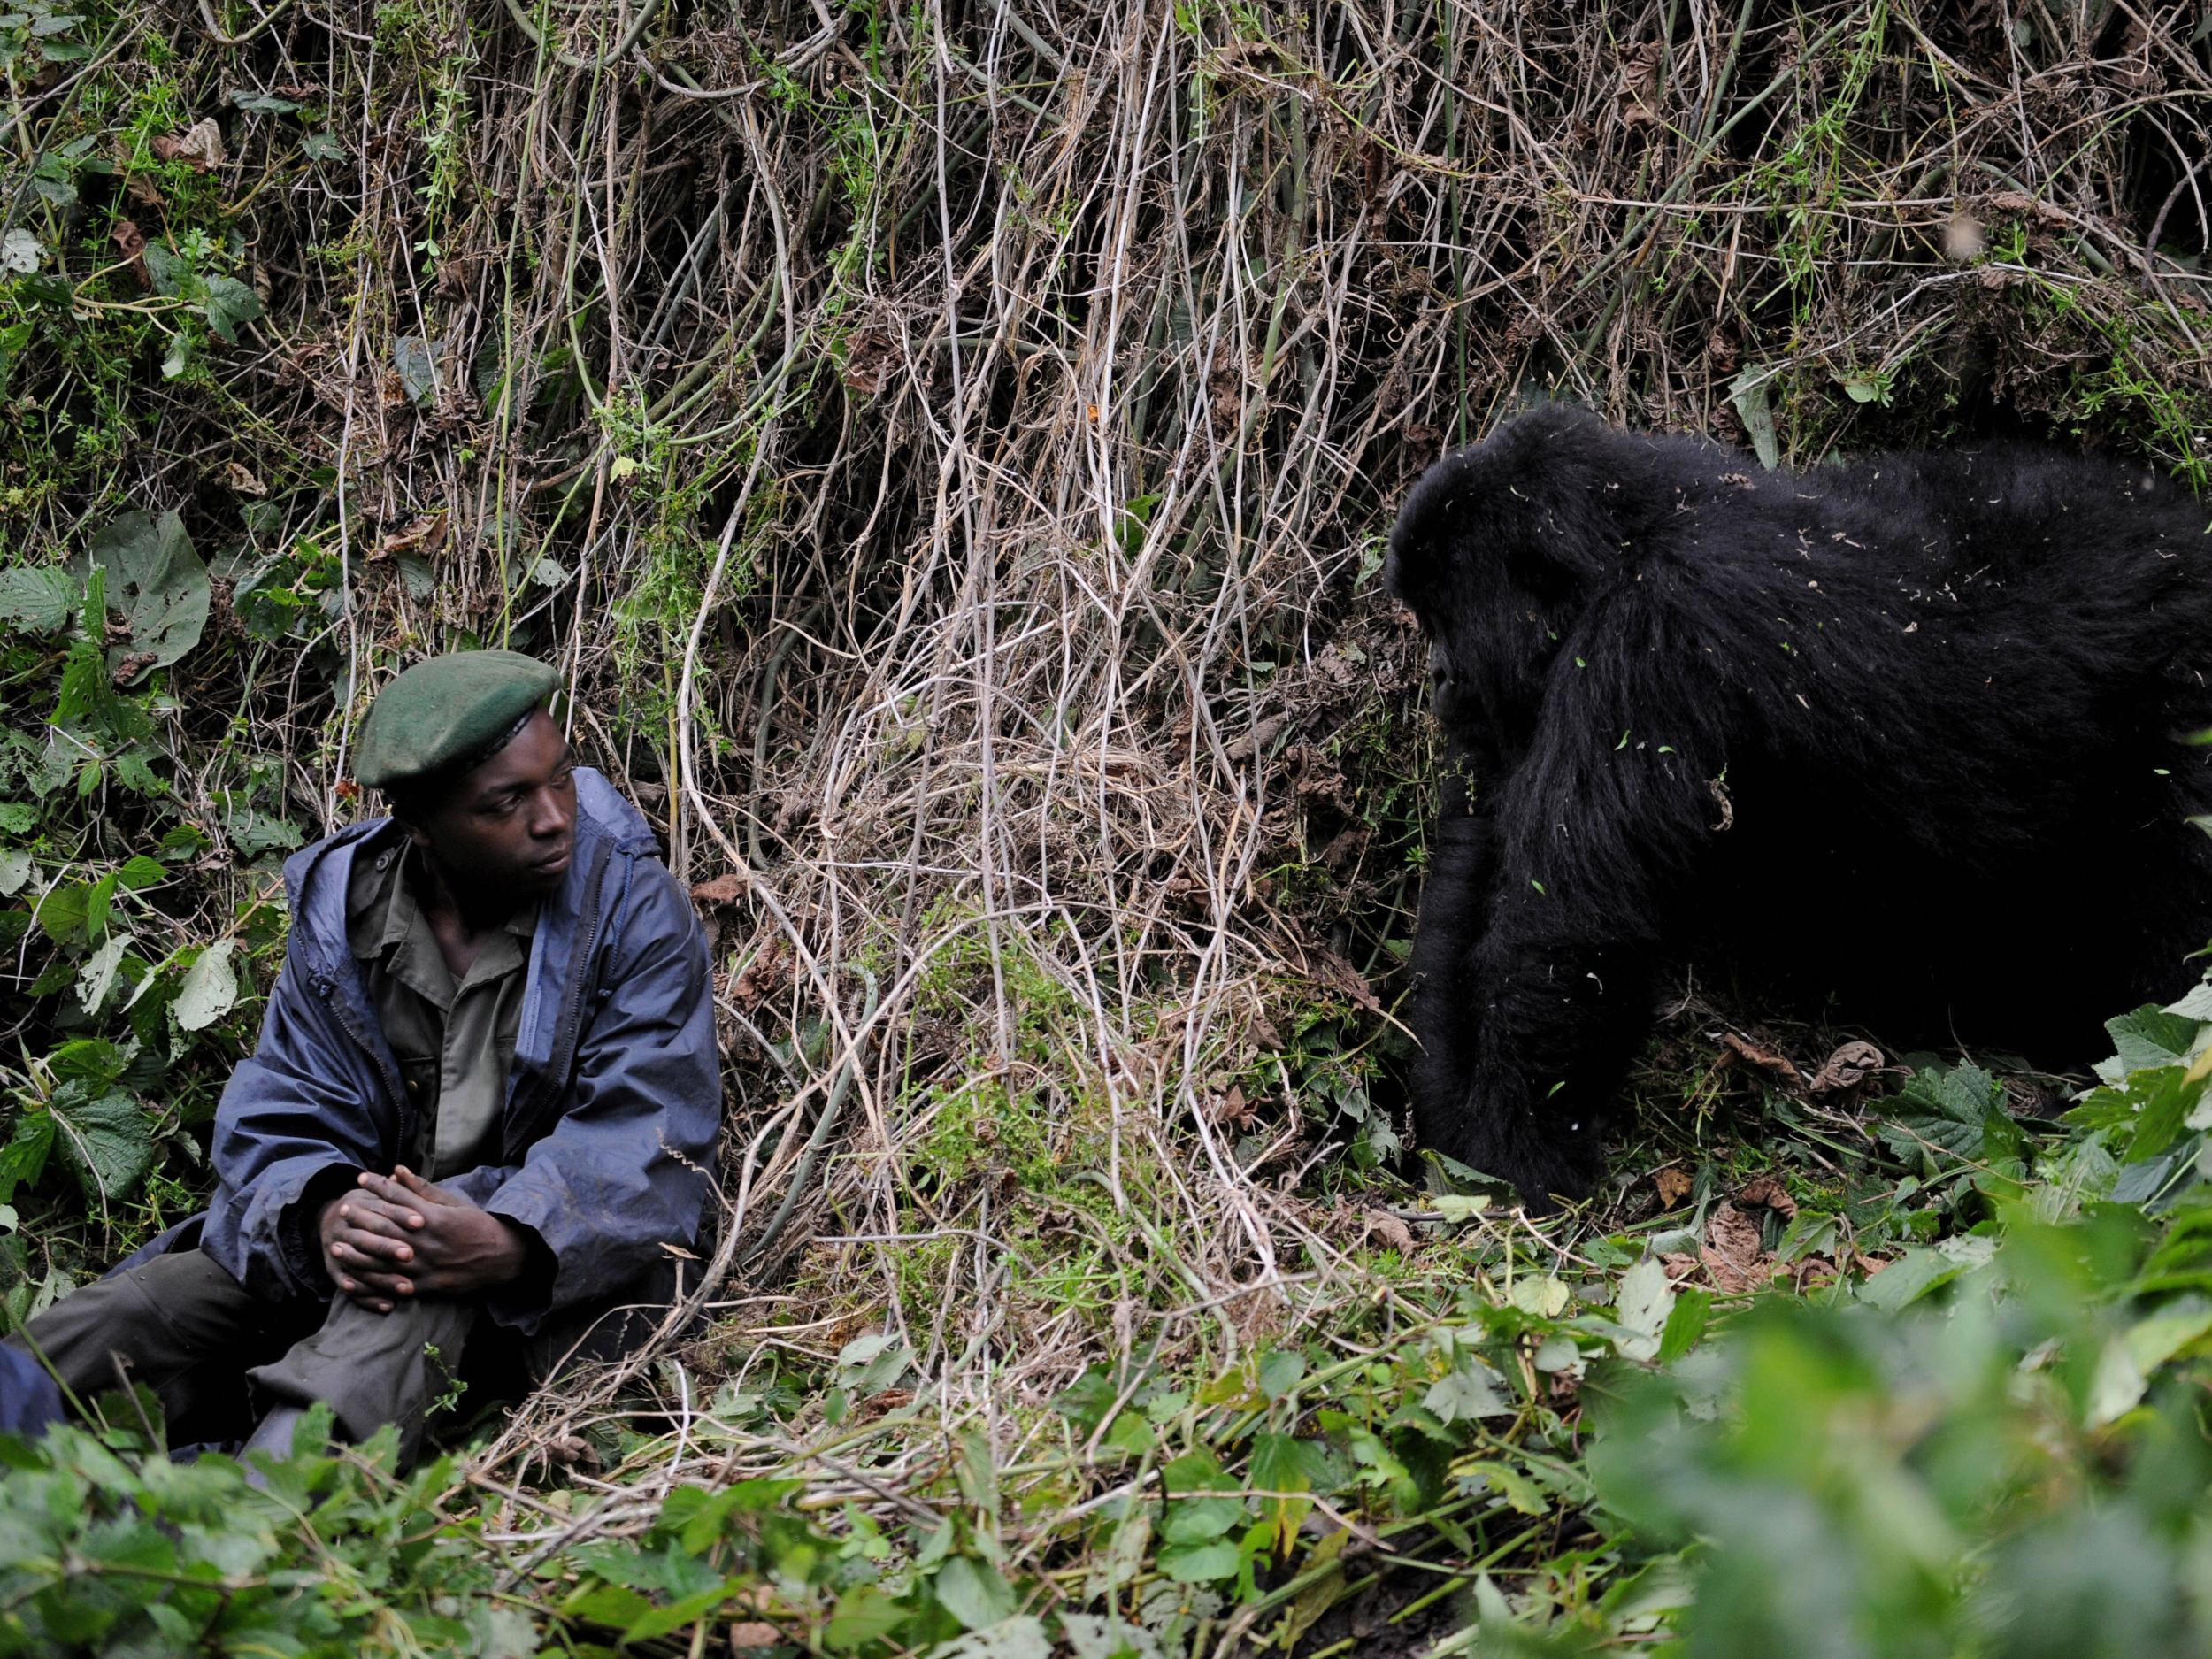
(626, 1169)
(299, 1109)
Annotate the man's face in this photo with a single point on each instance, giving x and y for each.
(508, 827)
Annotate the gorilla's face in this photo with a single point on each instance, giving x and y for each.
(1492, 643)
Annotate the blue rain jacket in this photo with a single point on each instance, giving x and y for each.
(613, 1102)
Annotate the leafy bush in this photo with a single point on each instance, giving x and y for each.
(1998, 1445)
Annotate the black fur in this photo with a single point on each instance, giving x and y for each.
(1902, 732)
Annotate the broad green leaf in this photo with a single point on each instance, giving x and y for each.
(972, 1592)
(158, 584)
(1643, 1304)
(229, 302)
(210, 989)
(1747, 397)
(1201, 1564)
(103, 1138)
(15, 870)
(39, 598)
(1693, 1308)
(1022, 1637)
(417, 361)
(23, 1159)
(1280, 1369)
(1542, 1294)
(863, 1615)
(2197, 1005)
(1469, 1390)
(97, 976)
(2117, 1386)
(1942, 1109)
(2145, 1038)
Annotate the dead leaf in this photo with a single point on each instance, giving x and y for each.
(199, 145)
(1674, 1183)
(1392, 1230)
(752, 1637)
(764, 975)
(1639, 83)
(872, 357)
(1847, 1068)
(130, 241)
(1771, 1061)
(1730, 1251)
(425, 532)
(1765, 1189)
(720, 890)
(242, 480)
(1327, 968)
(1232, 1108)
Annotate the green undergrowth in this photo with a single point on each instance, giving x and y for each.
(1966, 1420)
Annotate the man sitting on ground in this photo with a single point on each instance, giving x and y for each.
(482, 1105)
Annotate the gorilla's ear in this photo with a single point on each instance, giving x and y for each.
(1539, 502)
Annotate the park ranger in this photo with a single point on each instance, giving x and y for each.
(479, 1116)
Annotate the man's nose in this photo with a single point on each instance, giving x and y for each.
(553, 818)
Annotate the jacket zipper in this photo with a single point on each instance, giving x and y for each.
(396, 1095)
(564, 1040)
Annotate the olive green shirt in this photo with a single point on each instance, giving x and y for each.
(454, 1039)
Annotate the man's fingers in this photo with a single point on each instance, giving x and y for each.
(395, 1198)
(357, 1283)
(428, 1191)
(369, 1248)
(353, 1217)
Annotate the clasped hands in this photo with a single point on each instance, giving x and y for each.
(398, 1236)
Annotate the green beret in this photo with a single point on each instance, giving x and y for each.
(445, 711)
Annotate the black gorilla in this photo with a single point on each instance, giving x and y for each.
(1902, 733)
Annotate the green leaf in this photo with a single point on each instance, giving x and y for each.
(1468, 1391)
(416, 359)
(1201, 1564)
(2145, 1038)
(1693, 1308)
(229, 302)
(23, 1160)
(266, 104)
(38, 597)
(1944, 1110)
(103, 1141)
(96, 978)
(15, 870)
(210, 989)
(322, 146)
(1747, 397)
(973, 1593)
(1644, 1304)
(863, 1615)
(1022, 1637)
(158, 586)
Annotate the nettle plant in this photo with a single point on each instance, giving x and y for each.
(1995, 1445)
(133, 942)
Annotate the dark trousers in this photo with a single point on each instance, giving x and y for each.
(216, 1356)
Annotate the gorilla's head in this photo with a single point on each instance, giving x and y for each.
(1497, 549)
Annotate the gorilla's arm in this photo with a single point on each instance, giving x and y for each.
(1456, 896)
(1592, 843)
